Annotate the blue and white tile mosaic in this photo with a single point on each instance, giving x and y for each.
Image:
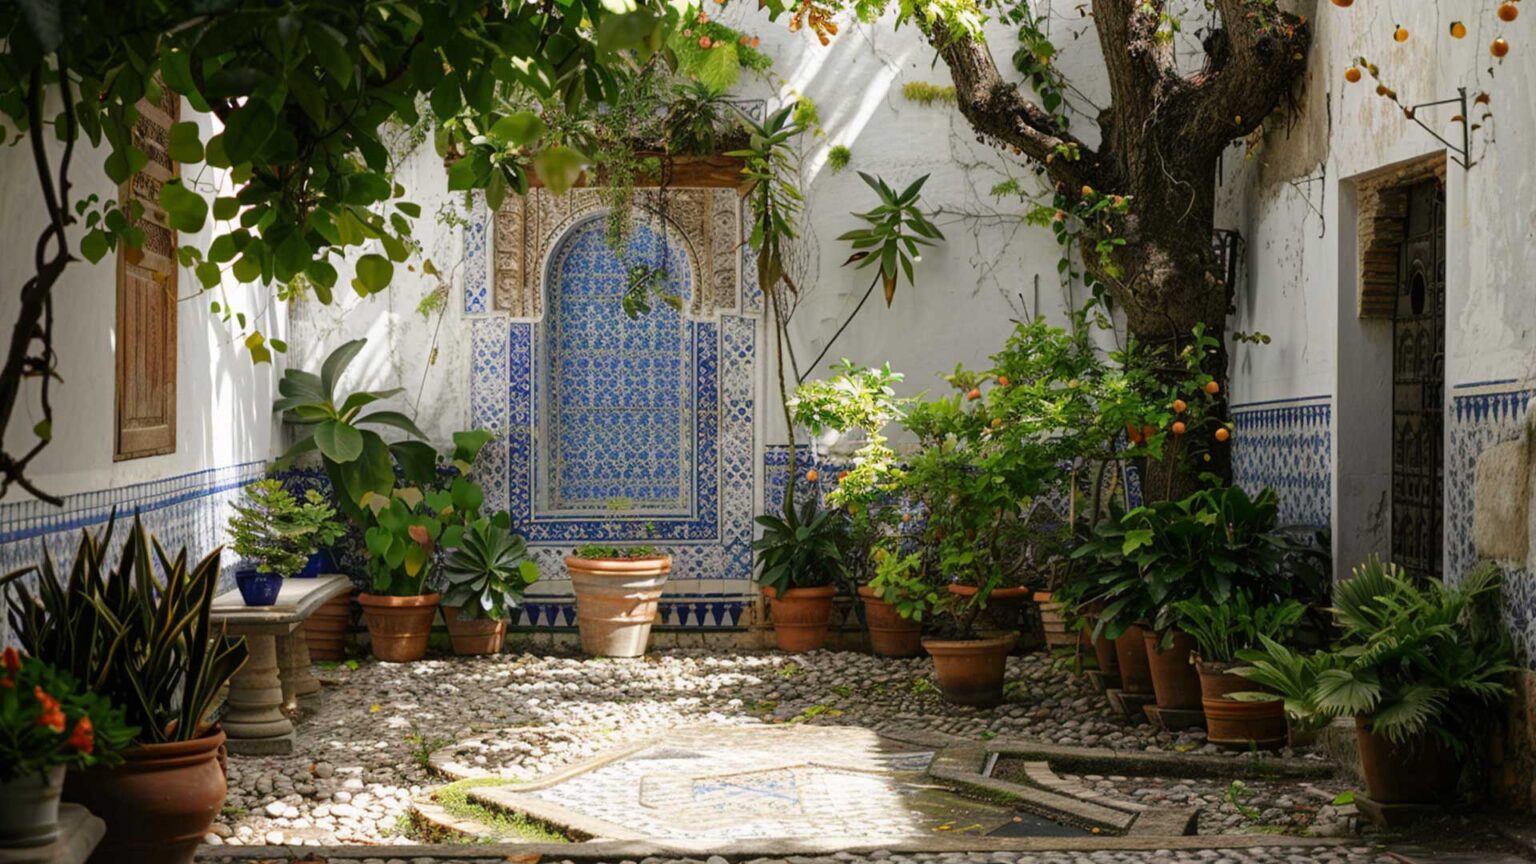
(188, 511)
(1483, 414)
(621, 431)
(1287, 444)
(476, 279)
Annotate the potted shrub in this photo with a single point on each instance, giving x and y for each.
(484, 579)
(1418, 667)
(862, 402)
(408, 535)
(150, 647)
(274, 535)
(618, 595)
(800, 560)
(897, 602)
(48, 724)
(1238, 712)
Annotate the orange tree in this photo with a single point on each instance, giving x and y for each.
(1160, 135)
(305, 91)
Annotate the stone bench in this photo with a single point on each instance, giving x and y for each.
(277, 672)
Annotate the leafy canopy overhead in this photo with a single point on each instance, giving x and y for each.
(303, 91)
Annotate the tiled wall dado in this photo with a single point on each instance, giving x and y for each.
(1287, 445)
(184, 511)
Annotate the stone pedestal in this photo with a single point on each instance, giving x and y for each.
(79, 832)
(1173, 719)
(278, 670)
(1129, 704)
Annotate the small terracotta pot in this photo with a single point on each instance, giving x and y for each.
(326, 629)
(158, 804)
(617, 601)
(398, 627)
(971, 671)
(1174, 679)
(1004, 612)
(1244, 725)
(29, 809)
(1054, 622)
(1421, 770)
(800, 617)
(1103, 647)
(1217, 680)
(890, 635)
(472, 636)
(1131, 657)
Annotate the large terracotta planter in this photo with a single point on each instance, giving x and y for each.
(1233, 723)
(473, 636)
(617, 600)
(158, 804)
(1004, 611)
(1054, 622)
(1421, 770)
(971, 671)
(1131, 657)
(890, 635)
(1174, 679)
(326, 629)
(800, 617)
(398, 627)
(29, 809)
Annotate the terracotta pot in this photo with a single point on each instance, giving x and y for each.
(1103, 647)
(1421, 770)
(158, 804)
(800, 617)
(1055, 624)
(1245, 725)
(1174, 679)
(398, 627)
(1217, 680)
(472, 636)
(890, 635)
(617, 600)
(1131, 657)
(971, 671)
(29, 809)
(326, 629)
(1004, 612)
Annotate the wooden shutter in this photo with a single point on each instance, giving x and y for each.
(146, 299)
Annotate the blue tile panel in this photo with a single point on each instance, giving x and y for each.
(476, 269)
(188, 510)
(590, 407)
(1287, 445)
(620, 392)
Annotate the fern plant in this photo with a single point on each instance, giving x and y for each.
(1412, 659)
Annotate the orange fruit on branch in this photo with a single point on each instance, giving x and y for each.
(1400, 34)
(1343, 4)
(1352, 74)
(1212, 387)
(1178, 427)
(1499, 47)
(1458, 30)
(1508, 12)
(1222, 434)
(1002, 380)
(1179, 406)
(974, 394)
(811, 475)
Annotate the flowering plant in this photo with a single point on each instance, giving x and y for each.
(46, 721)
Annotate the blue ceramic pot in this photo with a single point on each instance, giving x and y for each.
(258, 589)
(319, 562)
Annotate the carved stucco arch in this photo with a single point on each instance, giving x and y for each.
(1382, 199)
(529, 230)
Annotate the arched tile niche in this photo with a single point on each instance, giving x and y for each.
(612, 430)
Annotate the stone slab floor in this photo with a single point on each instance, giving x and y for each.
(362, 757)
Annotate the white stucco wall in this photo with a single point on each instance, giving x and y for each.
(222, 399)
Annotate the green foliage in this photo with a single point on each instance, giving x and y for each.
(924, 93)
(1203, 548)
(838, 157)
(801, 549)
(599, 551)
(862, 399)
(148, 645)
(775, 199)
(487, 574)
(1222, 630)
(896, 228)
(48, 720)
(407, 533)
(1293, 674)
(901, 581)
(358, 461)
(272, 528)
(694, 118)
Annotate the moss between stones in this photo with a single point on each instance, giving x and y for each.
(454, 799)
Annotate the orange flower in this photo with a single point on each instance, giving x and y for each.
(11, 660)
(48, 702)
(6, 682)
(82, 738)
(53, 719)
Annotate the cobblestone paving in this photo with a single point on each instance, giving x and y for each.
(362, 757)
(1277, 855)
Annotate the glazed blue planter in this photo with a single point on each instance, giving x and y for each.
(319, 562)
(258, 589)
